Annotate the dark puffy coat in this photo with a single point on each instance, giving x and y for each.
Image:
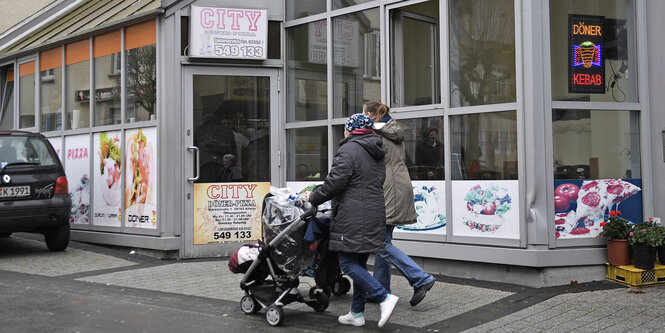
(354, 184)
(397, 188)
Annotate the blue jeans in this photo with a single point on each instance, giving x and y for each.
(355, 266)
(416, 276)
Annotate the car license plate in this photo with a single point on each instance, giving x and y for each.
(15, 191)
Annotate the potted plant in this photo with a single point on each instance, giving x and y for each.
(644, 239)
(616, 231)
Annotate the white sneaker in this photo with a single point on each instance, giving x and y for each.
(387, 307)
(357, 319)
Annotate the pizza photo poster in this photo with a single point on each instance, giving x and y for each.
(77, 169)
(141, 178)
(430, 203)
(486, 208)
(107, 172)
(580, 205)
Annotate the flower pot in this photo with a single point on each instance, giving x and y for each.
(618, 252)
(645, 256)
(661, 254)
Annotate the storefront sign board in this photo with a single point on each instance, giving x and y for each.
(228, 212)
(230, 33)
(586, 60)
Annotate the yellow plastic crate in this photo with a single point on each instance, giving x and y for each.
(630, 276)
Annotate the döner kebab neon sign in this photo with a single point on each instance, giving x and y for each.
(586, 65)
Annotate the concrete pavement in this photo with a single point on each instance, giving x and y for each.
(453, 305)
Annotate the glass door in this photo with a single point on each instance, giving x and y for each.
(230, 142)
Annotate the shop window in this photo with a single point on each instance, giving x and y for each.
(107, 64)
(352, 87)
(307, 88)
(50, 79)
(77, 69)
(593, 50)
(482, 52)
(415, 54)
(7, 97)
(232, 114)
(598, 176)
(140, 71)
(484, 146)
(423, 143)
(296, 9)
(307, 156)
(26, 105)
(337, 4)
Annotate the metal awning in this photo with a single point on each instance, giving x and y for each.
(89, 16)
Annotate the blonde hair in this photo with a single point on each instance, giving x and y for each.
(376, 110)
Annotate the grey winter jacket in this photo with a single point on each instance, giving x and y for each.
(397, 188)
(354, 184)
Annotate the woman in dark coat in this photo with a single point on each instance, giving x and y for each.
(354, 184)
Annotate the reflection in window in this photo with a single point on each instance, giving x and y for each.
(484, 146)
(482, 52)
(26, 107)
(337, 4)
(307, 154)
(611, 148)
(7, 97)
(618, 49)
(307, 88)
(77, 71)
(301, 8)
(140, 71)
(354, 40)
(50, 78)
(107, 78)
(232, 129)
(415, 60)
(423, 143)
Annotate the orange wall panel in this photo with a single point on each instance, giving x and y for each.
(50, 59)
(27, 68)
(106, 44)
(140, 34)
(77, 52)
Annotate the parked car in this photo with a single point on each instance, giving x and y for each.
(33, 189)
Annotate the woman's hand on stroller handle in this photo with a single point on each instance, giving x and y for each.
(309, 210)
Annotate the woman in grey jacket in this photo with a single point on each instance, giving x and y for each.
(400, 209)
(354, 184)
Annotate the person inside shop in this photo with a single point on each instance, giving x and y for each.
(242, 142)
(355, 186)
(429, 151)
(214, 140)
(400, 209)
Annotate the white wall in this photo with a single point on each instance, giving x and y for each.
(656, 69)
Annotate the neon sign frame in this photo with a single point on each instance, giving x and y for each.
(586, 59)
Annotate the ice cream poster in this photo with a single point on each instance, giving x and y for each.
(430, 203)
(486, 208)
(581, 205)
(141, 178)
(77, 169)
(228, 212)
(107, 172)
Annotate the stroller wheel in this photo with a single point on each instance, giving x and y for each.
(322, 302)
(249, 305)
(274, 315)
(341, 286)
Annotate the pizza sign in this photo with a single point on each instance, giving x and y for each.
(586, 62)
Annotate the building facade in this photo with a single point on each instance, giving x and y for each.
(526, 121)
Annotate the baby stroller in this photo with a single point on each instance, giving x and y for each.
(283, 255)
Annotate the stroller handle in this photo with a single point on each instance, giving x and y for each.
(308, 209)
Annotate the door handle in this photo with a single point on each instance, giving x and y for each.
(196, 154)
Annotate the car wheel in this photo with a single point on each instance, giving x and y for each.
(57, 238)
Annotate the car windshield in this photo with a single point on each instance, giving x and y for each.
(26, 149)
